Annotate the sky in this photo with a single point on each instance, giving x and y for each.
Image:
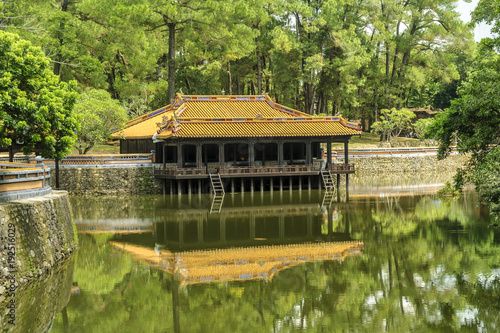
(482, 30)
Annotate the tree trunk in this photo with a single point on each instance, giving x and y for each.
(259, 70)
(171, 61)
(230, 90)
(57, 173)
(11, 154)
(57, 65)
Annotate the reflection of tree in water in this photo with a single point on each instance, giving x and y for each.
(98, 268)
(427, 277)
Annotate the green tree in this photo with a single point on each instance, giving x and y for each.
(392, 122)
(473, 122)
(36, 106)
(99, 115)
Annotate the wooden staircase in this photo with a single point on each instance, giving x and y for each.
(327, 180)
(217, 186)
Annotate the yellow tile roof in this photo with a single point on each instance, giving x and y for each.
(234, 129)
(143, 127)
(233, 116)
(231, 109)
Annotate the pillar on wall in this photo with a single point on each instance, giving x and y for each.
(300, 183)
(252, 185)
(199, 186)
(271, 185)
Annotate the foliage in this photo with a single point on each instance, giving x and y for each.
(448, 191)
(392, 122)
(489, 11)
(322, 56)
(98, 115)
(473, 122)
(420, 127)
(36, 108)
(486, 177)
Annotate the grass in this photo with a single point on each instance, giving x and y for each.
(370, 140)
(100, 149)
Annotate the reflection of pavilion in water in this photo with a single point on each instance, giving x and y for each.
(238, 264)
(240, 243)
(247, 226)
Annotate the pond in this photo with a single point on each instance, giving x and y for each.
(388, 260)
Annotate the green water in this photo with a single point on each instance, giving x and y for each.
(414, 263)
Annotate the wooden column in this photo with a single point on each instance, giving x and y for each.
(221, 155)
(308, 153)
(280, 153)
(179, 155)
(164, 156)
(328, 153)
(199, 156)
(251, 153)
(346, 151)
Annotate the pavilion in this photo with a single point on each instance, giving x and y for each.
(245, 142)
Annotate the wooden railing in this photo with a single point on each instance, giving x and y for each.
(101, 159)
(267, 169)
(174, 171)
(255, 170)
(18, 177)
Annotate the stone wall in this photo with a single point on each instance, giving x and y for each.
(408, 164)
(35, 234)
(115, 180)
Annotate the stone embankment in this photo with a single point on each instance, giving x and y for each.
(35, 235)
(409, 163)
(115, 180)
